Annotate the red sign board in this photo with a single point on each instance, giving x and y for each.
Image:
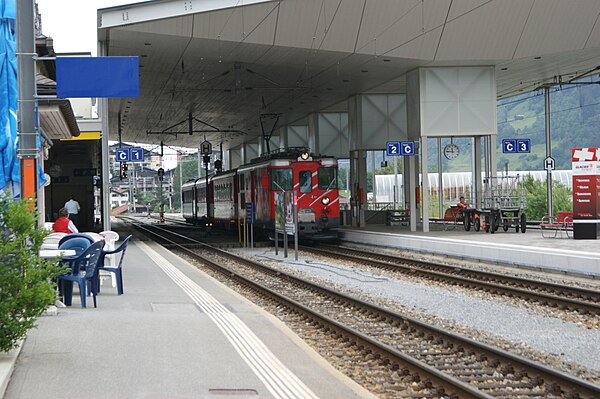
(585, 154)
(586, 183)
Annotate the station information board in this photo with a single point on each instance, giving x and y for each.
(586, 183)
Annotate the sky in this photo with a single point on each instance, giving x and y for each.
(73, 23)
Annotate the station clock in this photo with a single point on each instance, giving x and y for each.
(451, 151)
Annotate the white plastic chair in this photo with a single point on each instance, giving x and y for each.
(110, 240)
(51, 241)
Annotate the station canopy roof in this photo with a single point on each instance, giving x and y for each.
(226, 63)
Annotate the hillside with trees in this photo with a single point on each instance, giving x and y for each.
(575, 122)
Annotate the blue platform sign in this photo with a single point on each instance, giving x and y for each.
(392, 149)
(78, 77)
(137, 154)
(407, 148)
(509, 146)
(400, 148)
(123, 155)
(524, 145)
(513, 146)
(250, 213)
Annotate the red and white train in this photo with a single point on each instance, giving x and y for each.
(312, 178)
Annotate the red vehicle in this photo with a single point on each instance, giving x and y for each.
(312, 178)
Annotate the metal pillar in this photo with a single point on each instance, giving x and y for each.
(199, 164)
(412, 173)
(396, 186)
(313, 133)
(103, 113)
(424, 185)
(27, 130)
(477, 171)
(548, 147)
(440, 178)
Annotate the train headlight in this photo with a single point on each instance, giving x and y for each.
(325, 200)
(304, 155)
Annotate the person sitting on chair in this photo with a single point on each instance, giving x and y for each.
(462, 204)
(63, 224)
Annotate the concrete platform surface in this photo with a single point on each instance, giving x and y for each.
(175, 333)
(529, 249)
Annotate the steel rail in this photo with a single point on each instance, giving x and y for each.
(493, 282)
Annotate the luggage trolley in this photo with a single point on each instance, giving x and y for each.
(504, 203)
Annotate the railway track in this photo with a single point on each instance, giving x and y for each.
(581, 300)
(442, 362)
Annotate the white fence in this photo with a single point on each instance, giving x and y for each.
(454, 184)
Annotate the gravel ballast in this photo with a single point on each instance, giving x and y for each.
(570, 342)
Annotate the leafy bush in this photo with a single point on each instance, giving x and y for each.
(537, 198)
(26, 287)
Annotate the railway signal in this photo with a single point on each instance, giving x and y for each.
(124, 169)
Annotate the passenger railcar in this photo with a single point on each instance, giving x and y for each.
(197, 201)
(312, 178)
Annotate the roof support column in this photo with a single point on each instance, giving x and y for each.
(27, 106)
(313, 133)
(282, 133)
(103, 114)
(450, 102)
(358, 162)
(477, 187)
(410, 179)
(425, 185)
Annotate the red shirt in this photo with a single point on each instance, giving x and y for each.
(62, 225)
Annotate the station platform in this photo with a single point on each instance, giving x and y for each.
(530, 250)
(175, 332)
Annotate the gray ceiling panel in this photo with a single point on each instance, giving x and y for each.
(295, 57)
(474, 35)
(460, 7)
(340, 25)
(556, 25)
(255, 24)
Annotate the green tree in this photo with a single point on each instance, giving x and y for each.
(26, 287)
(537, 198)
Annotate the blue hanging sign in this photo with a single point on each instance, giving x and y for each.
(513, 146)
(524, 145)
(407, 148)
(137, 154)
(509, 146)
(123, 154)
(392, 148)
(78, 77)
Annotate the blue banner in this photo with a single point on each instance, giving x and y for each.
(97, 77)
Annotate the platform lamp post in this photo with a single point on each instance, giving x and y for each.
(161, 174)
(206, 159)
(206, 150)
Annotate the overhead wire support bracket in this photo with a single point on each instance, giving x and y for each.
(189, 120)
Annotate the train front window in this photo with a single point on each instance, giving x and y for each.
(305, 177)
(327, 178)
(282, 179)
